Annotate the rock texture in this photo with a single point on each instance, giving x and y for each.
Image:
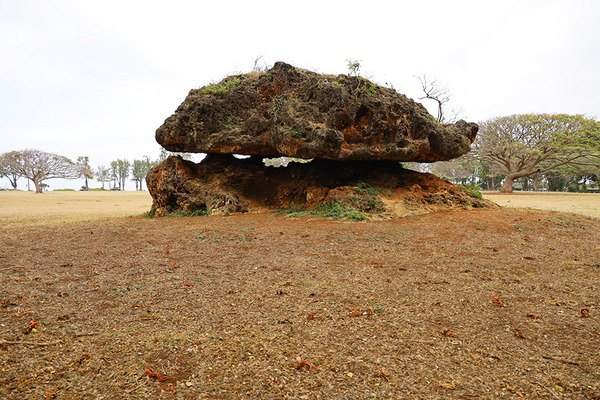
(287, 111)
(223, 184)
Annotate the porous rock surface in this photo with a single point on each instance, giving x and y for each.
(223, 184)
(288, 111)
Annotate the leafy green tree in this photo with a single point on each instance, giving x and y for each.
(38, 166)
(520, 146)
(139, 170)
(120, 171)
(83, 162)
(113, 175)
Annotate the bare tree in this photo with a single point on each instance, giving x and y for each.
(6, 169)
(433, 91)
(103, 175)
(39, 166)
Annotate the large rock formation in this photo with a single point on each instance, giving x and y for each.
(356, 132)
(297, 113)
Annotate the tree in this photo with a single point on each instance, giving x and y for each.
(83, 162)
(433, 91)
(113, 174)
(139, 170)
(6, 169)
(521, 146)
(120, 171)
(39, 166)
(103, 175)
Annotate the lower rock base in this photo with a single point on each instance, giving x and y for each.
(223, 184)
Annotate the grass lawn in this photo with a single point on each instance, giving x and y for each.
(24, 208)
(587, 204)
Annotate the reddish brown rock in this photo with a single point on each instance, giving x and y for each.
(223, 184)
(287, 111)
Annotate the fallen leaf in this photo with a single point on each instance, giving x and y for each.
(496, 300)
(448, 333)
(50, 395)
(83, 359)
(31, 327)
(20, 314)
(519, 394)
(156, 375)
(447, 385)
(382, 375)
(355, 312)
(171, 389)
(533, 316)
(303, 363)
(585, 313)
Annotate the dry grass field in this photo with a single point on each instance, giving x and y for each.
(26, 208)
(587, 204)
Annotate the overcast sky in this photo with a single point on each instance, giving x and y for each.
(98, 77)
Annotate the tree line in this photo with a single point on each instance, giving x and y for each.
(39, 166)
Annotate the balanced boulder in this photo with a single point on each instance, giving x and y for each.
(291, 112)
(355, 132)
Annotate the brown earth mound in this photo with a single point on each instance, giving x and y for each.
(223, 184)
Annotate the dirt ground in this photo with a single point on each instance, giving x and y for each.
(473, 304)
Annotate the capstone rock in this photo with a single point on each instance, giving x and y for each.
(292, 112)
